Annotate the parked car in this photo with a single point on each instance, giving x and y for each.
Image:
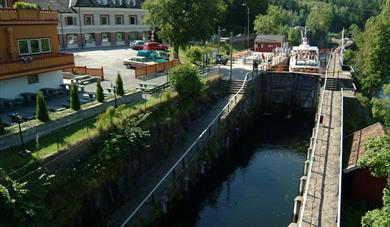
(154, 55)
(162, 55)
(137, 62)
(155, 46)
(137, 44)
(219, 59)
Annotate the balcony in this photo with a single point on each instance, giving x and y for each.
(38, 64)
(28, 16)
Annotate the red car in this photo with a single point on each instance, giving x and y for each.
(155, 46)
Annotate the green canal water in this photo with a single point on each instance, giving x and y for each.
(255, 184)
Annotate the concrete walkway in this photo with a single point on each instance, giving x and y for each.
(321, 207)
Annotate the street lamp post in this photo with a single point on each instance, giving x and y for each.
(231, 56)
(247, 28)
(114, 89)
(18, 118)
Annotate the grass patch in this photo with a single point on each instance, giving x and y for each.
(58, 115)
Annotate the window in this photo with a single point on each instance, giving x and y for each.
(118, 19)
(104, 20)
(130, 2)
(90, 38)
(118, 2)
(120, 36)
(34, 46)
(106, 38)
(45, 45)
(33, 79)
(70, 21)
(34, 43)
(3, 3)
(23, 47)
(102, 2)
(71, 39)
(88, 20)
(133, 19)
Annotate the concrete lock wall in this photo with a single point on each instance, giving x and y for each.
(195, 166)
(286, 92)
(13, 139)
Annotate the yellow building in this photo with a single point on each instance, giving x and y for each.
(29, 52)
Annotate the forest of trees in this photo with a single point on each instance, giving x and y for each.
(321, 17)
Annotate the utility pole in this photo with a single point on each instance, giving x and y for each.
(231, 56)
(247, 28)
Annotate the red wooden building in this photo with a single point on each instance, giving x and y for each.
(267, 43)
(361, 186)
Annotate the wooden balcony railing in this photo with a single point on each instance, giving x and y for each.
(39, 64)
(27, 15)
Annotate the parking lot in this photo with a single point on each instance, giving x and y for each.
(111, 59)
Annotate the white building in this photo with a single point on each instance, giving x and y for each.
(94, 23)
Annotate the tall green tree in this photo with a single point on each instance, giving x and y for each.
(319, 22)
(41, 108)
(235, 17)
(270, 23)
(181, 21)
(119, 85)
(99, 92)
(377, 160)
(381, 107)
(373, 55)
(74, 97)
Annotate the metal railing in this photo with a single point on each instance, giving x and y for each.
(28, 15)
(192, 149)
(39, 62)
(302, 210)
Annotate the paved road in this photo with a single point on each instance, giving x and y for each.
(322, 199)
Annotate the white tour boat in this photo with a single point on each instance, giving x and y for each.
(305, 58)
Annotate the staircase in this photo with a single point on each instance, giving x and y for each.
(332, 84)
(233, 86)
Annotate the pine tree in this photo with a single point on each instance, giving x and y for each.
(41, 109)
(2, 130)
(99, 92)
(119, 85)
(74, 97)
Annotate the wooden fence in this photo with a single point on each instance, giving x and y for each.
(83, 70)
(150, 69)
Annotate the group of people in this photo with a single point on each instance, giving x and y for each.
(304, 55)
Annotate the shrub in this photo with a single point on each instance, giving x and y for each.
(184, 78)
(2, 129)
(194, 54)
(41, 108)
(99, 92)
(74, 97)
(119, 85)
(25, 5)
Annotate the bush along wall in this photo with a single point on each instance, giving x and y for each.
(88, 192)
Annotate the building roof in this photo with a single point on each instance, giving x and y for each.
(59, 5)
(270, 38)
(110, 4)
(354, 144)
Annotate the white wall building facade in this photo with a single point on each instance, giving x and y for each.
(101, 23)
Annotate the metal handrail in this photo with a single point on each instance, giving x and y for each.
(181, 159)
(313, 148)
(341, 157)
